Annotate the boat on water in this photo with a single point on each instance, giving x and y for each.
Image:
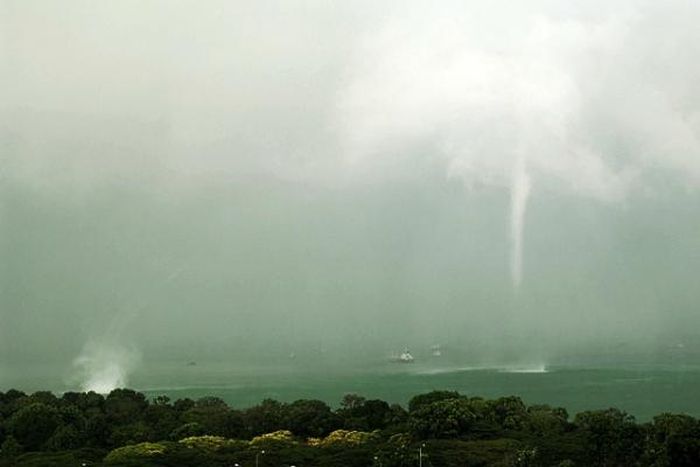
(436, 351)
(403, 357)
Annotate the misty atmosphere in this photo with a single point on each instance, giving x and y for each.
(272, 198)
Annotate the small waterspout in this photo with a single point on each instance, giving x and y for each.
(103, 367)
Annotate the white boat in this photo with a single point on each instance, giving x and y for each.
(436, 350)
(403, 357)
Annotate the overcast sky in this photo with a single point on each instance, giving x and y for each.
(266, 174)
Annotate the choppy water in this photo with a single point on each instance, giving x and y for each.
(643, 391)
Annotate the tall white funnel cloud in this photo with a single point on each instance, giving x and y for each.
(520, 192)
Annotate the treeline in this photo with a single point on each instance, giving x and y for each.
(440, 428)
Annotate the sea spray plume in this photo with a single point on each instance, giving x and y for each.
(105, 363)
(102, 367)
(520, 193)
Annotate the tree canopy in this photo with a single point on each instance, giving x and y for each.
(448, 428)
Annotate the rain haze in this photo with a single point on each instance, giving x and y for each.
(318, 185)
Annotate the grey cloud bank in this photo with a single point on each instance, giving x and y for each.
(250, 178)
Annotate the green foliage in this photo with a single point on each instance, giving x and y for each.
(265, 417)
(65, 438)
(612, 436)
(523, 457)
(215, 418)
(162, 418)
(71, 415)
(509, 412)
(44, 397)
(207, 442)
(351, 402)
(428, 398)
(161, 400)
(449, 428)
(124, 406)
(276, 439)
(361, 414)
(674, 440)
(130, 433)
(33, 425)
(10, 447)
(445, 418)
(345, 438)
(542, 420)
(396, 451)
(136, 453)
(182, 405)
(97, 430)
(500, 452)
(56, 459)
(187, 430)
(308, 418)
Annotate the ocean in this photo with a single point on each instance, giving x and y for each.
(641, 390)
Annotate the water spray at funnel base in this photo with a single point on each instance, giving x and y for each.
(520, 192)
(103, 367)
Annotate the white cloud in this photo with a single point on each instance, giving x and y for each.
(563, 101)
